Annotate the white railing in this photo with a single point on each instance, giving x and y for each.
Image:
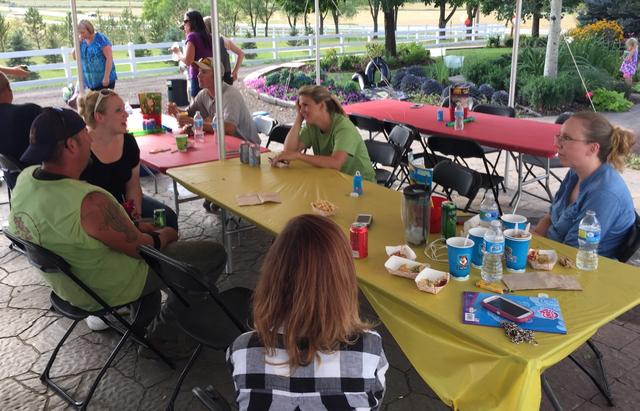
(345, 43)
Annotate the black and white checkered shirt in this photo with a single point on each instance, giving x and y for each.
(352, 378)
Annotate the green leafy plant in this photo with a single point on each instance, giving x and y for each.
(350, 62)
(439, 71)
(249, 45)
(420, 98)
(636, 87)
(633, 161)
(549, 93)
(609, 100)
(273, 78)
(493, 42)
(329, 61)
(413, 53)
(374, 49)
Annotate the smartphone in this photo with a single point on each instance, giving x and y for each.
(507, 308)
(364, 219)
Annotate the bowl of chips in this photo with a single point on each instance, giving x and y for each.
(404, 267)
(431, 281)
(542, 259)
(324, 208)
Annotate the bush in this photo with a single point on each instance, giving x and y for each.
(431, 86)
(329, 61)
(493, 71)
(416, 71)
(397, 77)
(549, 93)
(607, 30)
(349, 63)
(293, 33)
(533, 42)
(486, 91)
(300, 79)
(143, 52)
(589, 53)
(531, 61)
(350, 87)
(439, 71)
(374, 50)
(412, 53)
(411, 83)
(508, 42)
(493, 41)
(608, 100)
(249, 45)
(272, 79)
(500, 97)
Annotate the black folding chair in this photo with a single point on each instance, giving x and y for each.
(49, 262)
(10, 169)
(456, 177)
(374, 126)
(462, 149)
(227, 312)
(529, 162)
(278, 134)
(495, 110)
(211, 399)
(402, 136)
(387, 155)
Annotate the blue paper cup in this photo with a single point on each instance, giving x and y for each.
(511, 220)
(477, 235)
(459, 252)
(516, 249)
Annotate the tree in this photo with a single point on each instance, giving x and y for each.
(293, 9)
(130, 25)
(5, 27)
(626, 13)
(265, 12)
(342, 8)
(531, 9)
(55, 36)
(35, 24)
(251, 9)
(553, 40)
(374, 9)
(68, 28)
(18, 42)
(228, 15)
(389, 10)
(443, 19)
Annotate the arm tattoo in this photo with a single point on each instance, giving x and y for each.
(114, 219)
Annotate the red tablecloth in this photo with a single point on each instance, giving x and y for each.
(513, 134)
(197, 153)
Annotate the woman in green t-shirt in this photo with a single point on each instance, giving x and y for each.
(335, 140)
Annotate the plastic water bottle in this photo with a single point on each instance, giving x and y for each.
(459, 117)
(198, 127)
(491, 270)
(488, 211)
(588, 240)
(357, 183)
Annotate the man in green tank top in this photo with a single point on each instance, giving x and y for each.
(86, 226)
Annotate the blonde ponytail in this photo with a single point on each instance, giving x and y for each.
(622, 142)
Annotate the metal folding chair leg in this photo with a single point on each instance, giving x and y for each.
(183, 375)
(550, 394)
(601, 383)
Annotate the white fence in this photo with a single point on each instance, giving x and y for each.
(429, 36)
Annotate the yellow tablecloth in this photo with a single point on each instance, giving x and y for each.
(469, 367)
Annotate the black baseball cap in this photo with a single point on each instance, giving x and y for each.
(52, 125)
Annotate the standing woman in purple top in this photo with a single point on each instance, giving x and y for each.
(197, 46)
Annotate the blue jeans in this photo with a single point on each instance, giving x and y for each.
(149, 204)
(195, 87)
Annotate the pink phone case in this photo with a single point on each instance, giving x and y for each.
(507, 315)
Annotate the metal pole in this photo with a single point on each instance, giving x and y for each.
(76, 44)
(217, 79)
(512, 78)
(317, 5)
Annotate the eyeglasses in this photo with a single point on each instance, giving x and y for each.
(563, 138)
(186, 21)
(105, 92)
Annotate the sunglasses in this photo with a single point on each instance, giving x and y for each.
(105, 92)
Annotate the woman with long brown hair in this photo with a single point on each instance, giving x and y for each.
(336, 142)
(595, 151)
(309, 345)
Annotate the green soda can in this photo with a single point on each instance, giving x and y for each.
(448, 219)
(159, 218)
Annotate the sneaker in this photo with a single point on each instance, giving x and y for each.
(210, 207)
(95, 323)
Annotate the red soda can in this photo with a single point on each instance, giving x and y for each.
(359, 235)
